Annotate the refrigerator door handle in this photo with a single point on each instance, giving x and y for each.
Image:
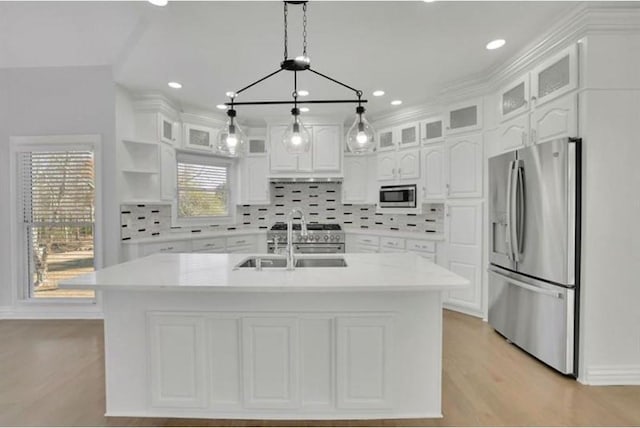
(509, 218)
(534, 288)
(518, 209)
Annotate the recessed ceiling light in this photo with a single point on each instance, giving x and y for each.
(175, 85)
(378, 93)
(396, 102)
(304, 109)
(221, 106)
(159, 2)
(303, 93)
(495, 44)
(428, 1)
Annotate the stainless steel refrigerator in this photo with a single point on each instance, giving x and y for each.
(534, 250)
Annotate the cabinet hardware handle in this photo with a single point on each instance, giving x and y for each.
(448, 189)
(533, 98)
(399, 171)
(240, 242)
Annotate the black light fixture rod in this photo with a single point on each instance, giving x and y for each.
(264, 103)
(357, 91)
(258, 81)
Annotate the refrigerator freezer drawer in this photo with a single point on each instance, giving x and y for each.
(536, 316)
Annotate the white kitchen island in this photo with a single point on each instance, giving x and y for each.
(187, 335)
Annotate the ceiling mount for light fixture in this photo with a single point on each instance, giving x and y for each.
(296, 135)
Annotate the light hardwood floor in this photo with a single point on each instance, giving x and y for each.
(52, 373)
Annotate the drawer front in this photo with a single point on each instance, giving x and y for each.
(367, 240)
(165, 247)
(242, 249)
(392, 243)
(422, 246)
(241, 241)
(211, 244)
(429, 256)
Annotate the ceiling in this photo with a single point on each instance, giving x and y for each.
(411, 50)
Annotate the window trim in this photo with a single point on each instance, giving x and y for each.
(18, 144)
(187, 156)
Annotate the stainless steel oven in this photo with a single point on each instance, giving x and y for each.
(399, 196)
(320, 239)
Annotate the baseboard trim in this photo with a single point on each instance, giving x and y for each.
(34, 313)
(336, 415)
(612, 375)
(466, 311)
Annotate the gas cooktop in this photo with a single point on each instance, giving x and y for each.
(311, 226)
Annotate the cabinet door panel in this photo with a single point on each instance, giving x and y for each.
(464, 117)
(168, 173)
(387, 166)
(433, 170)
(432, 130)
(355, 184)
(464, 252)
(280, 159)
(408, 164)
(199, 137)
(177, 361)
(408, 135)
(555, 120)
(327, 148)
(365, 363)
(464, 162)
(270, 357)
(514, 134)
(514, 98)
(224, 361)
(385, 139)
(255, 185)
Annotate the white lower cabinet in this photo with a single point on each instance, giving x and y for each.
(464, 254)
(270, 363)
(357, 243)
(163, 247)
(208, 245)
(364, 362)
(177, 361)
(242, 244)
(220, 360)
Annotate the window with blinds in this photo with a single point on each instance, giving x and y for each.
(203, 187)
(57, 211)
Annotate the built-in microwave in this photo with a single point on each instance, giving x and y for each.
(399, 196)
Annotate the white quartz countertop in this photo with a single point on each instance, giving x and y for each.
(396, 234)
(183, 236)
(215, 272)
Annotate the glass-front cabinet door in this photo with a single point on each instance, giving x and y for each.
(385, 139)
(408, 135)
(199, 137)
(555, 76)
(514, 98)
(432, 130)
(464, 117)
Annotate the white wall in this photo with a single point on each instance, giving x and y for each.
(610, 126)
(58, 101)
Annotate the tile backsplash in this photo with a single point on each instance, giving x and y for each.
(320, 202)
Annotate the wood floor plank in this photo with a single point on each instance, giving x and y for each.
(52, 374)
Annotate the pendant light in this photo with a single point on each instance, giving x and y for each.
(231, 139)
(361, 136)
(297, 139)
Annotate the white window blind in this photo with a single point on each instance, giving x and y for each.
(56, 191)
(203, 187)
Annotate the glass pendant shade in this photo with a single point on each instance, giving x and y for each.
(231, 140)
(296, 138)
(361, 135)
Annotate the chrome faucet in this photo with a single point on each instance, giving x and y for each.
(303, 232)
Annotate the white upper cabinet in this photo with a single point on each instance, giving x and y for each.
(254, 184)
(433, 173)
(555, 76)
(358, 182)
(514, 134)
(514, 98)
(464, 157)
(556, 119)
(199, 137)
(323, 159)
(168, 180)
(399, 166)
(464, 117)
(398, 137)
(327, 148)
(279, 158)
(168, 130)
(432, 130)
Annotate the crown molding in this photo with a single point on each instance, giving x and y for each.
(155, 102)
(204, 118)
(408, 114)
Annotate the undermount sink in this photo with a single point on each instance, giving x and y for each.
(320, 262)
(301, 262)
